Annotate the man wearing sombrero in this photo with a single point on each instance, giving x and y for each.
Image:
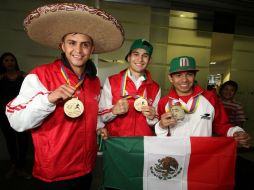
(58, 101)
(189, 110)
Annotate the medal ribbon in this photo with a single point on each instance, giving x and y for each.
(192, 109)
(124, 80)
(81, 80)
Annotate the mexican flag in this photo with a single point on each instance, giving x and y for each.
(157, 163)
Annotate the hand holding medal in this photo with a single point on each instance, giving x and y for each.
(149, 112)
(167, 120)
(73, 107)
(62, 93)
(139, 103)
(176, 109)
(178, 112)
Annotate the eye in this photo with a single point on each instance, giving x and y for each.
(86, 45)
(190, 74)
(135, 53)
(145, 56)
(72, 43)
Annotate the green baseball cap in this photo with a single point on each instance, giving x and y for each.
(140, 43)
(182, 63)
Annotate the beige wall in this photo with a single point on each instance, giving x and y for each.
(242, 71)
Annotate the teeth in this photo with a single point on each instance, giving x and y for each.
(77, 56)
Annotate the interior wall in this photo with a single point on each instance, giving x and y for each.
(190, 35)
(242, 70)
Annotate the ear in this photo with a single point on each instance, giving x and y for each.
(92, 49)
(150, 60)
(128, 58)
(61, 46)
(170, 78)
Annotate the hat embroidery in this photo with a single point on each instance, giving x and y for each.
(184, 62)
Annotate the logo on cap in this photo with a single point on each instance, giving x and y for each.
(184, 62)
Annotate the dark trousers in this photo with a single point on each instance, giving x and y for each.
(244, 174)
(17, 144)
(80, 183)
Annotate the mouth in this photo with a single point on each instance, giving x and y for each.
(77, 57)
(139, 64)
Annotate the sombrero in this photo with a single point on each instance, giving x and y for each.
(48, 24)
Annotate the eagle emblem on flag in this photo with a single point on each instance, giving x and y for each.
(166, 168)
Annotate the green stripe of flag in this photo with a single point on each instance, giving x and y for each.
(129, 171)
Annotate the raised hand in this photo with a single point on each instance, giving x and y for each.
(148, 111)
(121, 107)
(61, 93)
(167, 120)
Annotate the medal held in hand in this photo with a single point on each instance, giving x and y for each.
(178, 112)
(139, 102)
(73, 108)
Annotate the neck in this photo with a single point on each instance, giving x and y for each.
(12, 71)
(137, 74)
(12, 74)
(184, 93)
(78, 71)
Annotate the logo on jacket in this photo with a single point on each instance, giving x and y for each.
(166, 168)
(206, 116)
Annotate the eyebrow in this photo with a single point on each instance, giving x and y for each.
(71, 40)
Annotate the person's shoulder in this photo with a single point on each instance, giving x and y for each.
(116, 75)
(47, 67)
(164, 99)
(211, 97)
(237, 103)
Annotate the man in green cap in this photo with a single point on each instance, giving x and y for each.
(128, 103)
(189, 110)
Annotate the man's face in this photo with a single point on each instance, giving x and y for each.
(77, 48)
(183, 82)
(138, 60)
(228, 92)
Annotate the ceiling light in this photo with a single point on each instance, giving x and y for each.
(213, 63)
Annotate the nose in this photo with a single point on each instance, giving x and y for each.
(184, 77)
(78, 48)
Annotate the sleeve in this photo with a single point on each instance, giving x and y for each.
(105, 104)
(221, 123)
(159, 131)
(31, 106)
(152, 122)
(240, 115)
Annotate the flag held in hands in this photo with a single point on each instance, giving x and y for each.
(154, 163)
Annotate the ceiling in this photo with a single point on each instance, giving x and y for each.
(243, 8)
(228, 13)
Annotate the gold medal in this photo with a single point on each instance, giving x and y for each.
(178, 112)
(139, 102)
(73, 108)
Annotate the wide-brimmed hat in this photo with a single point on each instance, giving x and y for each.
(182, 63)
(48, 24)
(140, 43)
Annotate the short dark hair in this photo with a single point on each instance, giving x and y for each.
(229, 83)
